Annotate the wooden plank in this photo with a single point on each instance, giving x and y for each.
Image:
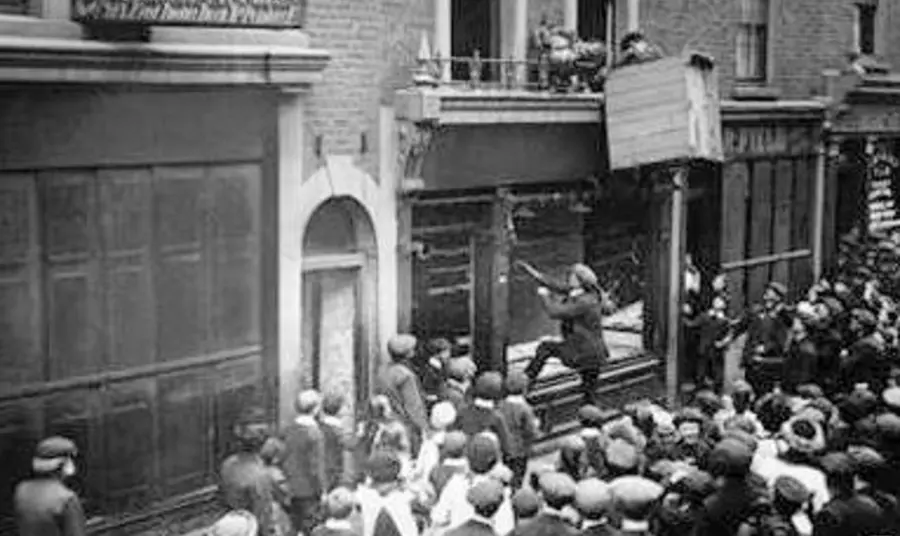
(760, 227)
(829, 210)
(783, 204)
(735, 197)
(804, 184)
(130, 436)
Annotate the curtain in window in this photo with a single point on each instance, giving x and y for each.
(752, 40)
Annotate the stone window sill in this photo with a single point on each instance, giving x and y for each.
(746, 91)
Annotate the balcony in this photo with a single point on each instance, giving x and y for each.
(495, 92)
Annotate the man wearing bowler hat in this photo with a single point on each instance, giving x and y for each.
(579, 307)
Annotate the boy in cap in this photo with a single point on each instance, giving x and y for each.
(455, 388)
(622, 459)
(443, 415)
(401, 386)
(592, 420)
(486, 497)
(304, 461)
(453, 461)
(337, 442)
(386, 507)
(431, 368)
(522, 424)
(593, 500)
(635, 498)
(482, 414)
(452, 508)
(526, 504)
(558, 492)
(863, 361)
(339, 506)
(44, 504)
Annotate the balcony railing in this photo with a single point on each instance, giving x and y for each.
(534, 74)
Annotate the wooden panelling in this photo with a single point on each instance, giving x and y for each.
(235, 239)
(130, 441)
(735, 196)
(760, 226)
(126, 221)
(71, 274)
(20, 308)
(69, 127)
(17, 441)
(179, 202)
(783, 202)
(186, 428)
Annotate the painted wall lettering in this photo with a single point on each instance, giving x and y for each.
(767, 139)
(245, 13)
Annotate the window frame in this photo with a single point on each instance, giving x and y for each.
(755, 24)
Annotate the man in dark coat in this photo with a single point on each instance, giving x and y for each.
(401, 386)
(767, 330)
(44, 505)
(849, 513)
(580, 312)
(558, 491)
(304, 462)
(485, 497)
(728, 508)
(864, 361)
(244, 481)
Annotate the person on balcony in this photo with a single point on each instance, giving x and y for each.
(580, 308)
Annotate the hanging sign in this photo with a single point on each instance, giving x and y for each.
(240, 13)
(883, 201)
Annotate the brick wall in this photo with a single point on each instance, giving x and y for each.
(373, 45)
(808, 37)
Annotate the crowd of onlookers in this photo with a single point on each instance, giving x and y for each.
(809, 444)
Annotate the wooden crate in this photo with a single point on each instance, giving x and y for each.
(662, 111)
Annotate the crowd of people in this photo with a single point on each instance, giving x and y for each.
(807, 445)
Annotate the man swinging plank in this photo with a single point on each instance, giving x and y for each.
(579, 306)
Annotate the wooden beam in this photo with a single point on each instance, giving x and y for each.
(404, 264)
(677, 243)
(766, 259)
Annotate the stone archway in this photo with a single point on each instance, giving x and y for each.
(339, 293)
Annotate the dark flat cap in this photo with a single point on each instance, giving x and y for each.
(791, 490)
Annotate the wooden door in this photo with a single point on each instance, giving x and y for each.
(332, 331)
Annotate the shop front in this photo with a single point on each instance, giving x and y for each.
(140, 210)
(495, 180)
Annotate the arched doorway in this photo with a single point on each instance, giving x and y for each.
(339, 300)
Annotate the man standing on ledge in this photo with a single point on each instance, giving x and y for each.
(579, 307)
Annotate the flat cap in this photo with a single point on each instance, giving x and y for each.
(838, 464)
(730, 457)
(443, 414)
(486, 493)
(557, 487)
(694, 483)
(634, 496)
(454, 445)
(791, 490)
(707, 401)
(489, 386)
(741, 386)
(516, 382)
(308, 401)
(743, 436)
(593, 498)
(482, 453)
(865, 317)
(891, 398)
(888, 425)
(339, 503)
(590, 416)
(810, 390)
(622, 455)
(867, 460)
(401, 346)
(55, 447)
(457, 369)
(502, 473)
(235, 523)
(778, 288)
(384, 467)
(586, 276)
(689, 414)
(526, 503)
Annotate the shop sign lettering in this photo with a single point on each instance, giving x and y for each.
(882, 191)
(244, 13)
(766, 139)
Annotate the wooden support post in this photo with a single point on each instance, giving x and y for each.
(492, 264)
(404, 264)
(677, 242)
(818, 223)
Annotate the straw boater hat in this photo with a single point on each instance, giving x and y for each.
(804, 435)
(52, 453)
